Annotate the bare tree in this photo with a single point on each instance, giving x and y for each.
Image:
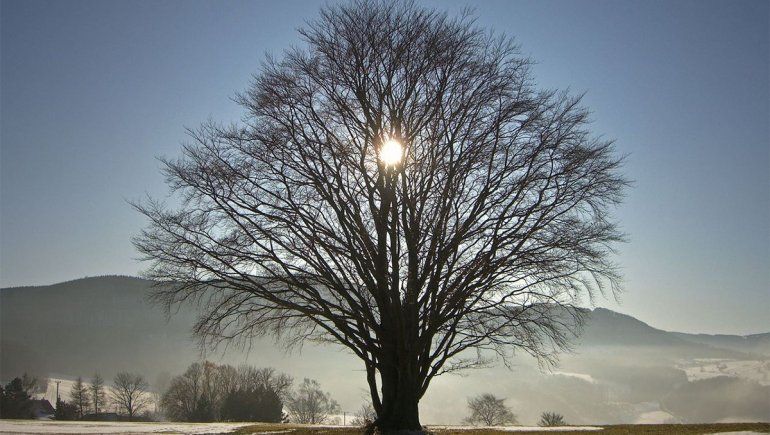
(97, 395)
(311, 405)
(79, 397)
(186, 397)
(130, 393)
(200, 393)
(222, 380)
(34, 385)
(365, 416)
(549, 419)
(398, 187)
(267, 378)
(488, 410)
(197, 394)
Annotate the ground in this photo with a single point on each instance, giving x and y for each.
(66, 427)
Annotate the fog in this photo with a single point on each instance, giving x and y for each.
(621, 370)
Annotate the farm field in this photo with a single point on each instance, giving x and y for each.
(55, 427)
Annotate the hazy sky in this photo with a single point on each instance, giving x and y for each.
(92, 91)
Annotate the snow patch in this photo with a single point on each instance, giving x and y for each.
(583, 376)
(108, 427)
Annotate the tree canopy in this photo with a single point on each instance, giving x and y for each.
(398, 186)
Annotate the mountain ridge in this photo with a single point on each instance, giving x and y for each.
(602, 310)
(97, 312)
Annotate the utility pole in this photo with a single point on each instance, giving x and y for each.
(57, 393)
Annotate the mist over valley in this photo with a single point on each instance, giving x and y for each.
(621, 370)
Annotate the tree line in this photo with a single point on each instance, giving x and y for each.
(205, 392)
(208, 392)
(129, 394)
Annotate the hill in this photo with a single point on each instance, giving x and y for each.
(87, 325)
(755, 343)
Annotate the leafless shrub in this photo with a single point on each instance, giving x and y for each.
(488, 410)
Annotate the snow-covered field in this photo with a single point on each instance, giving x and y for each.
(109, 427)
(755, 370)
(94, 427)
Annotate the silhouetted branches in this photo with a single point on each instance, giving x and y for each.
(488, 410)
(130, 393)
(484, 237)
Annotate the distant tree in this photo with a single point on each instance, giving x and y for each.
(211, 392)
(252, 405)
(205, 410)
(548, 419)
(79, 396)
(97, 395)
(195, 395)
(65, 411)
(252, 378)
(34, 385)
(14, 400)
(365, 416)
(239, 406)
(183, 401)
(488, 410)
(130, 393)
(311, 405)
(220, 381)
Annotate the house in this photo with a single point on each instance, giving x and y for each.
(41, 409)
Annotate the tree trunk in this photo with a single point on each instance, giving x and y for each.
(400, 398)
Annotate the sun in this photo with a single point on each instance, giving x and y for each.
(391, 152)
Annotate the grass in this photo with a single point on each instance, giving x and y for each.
(651, 429)
(623, 429)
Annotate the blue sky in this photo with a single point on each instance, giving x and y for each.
(91, 92)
